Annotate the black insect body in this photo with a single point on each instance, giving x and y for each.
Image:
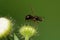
(28, 17)
(34, 18)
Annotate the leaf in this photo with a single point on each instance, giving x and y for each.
(15, 37)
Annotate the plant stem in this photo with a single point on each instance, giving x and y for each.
(26, 38)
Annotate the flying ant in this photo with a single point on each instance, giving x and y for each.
(33, 18)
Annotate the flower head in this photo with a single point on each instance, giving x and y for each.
(27, 31)
(5, 26)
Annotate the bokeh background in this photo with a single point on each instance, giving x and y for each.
(49, 9)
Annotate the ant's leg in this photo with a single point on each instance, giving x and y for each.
(27, 22)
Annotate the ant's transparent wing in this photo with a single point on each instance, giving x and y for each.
(31, 10)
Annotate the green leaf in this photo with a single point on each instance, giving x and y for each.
(15, 37)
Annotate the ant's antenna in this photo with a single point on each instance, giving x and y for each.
(32, 9)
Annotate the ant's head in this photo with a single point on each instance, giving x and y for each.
(28, 17)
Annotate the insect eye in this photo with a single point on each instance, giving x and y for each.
(27, 16)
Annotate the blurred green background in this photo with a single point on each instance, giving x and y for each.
(50, 9)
